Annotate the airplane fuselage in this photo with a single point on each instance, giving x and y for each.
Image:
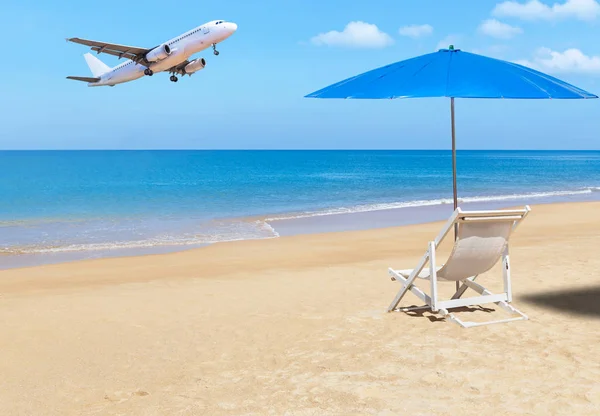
(181, 48)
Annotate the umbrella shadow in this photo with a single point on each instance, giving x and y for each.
(583, 301)
(426, 313)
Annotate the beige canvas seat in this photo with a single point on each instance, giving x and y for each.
(482, 240)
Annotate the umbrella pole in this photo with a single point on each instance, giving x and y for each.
(453, 157)
(455, 192)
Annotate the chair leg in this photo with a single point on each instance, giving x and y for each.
(433, 277)
(504, 305)
(406, 286)
(407, 283)
(506, 274)
(461, 290)
(511, 309)
(451, 318)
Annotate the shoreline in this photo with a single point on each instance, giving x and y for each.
(283, 225)
(258, 244)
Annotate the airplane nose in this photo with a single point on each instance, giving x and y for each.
(232, 26)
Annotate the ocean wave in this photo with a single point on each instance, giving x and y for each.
(431, 202)
(226, 230)
(252, 230)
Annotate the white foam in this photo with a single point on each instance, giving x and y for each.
(228, 231)
(265, 225)
(422, 203)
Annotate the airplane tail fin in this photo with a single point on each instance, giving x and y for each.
(96, 65)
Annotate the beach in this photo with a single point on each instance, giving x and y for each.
(297, 325)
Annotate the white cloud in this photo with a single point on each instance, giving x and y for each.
(416, 31)
(499, 30)
(536, 10)
(449, 40)
(355, 35)
(569, 61)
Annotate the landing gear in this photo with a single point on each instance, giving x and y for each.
(174, 78)
(148, 72)
(215, 51)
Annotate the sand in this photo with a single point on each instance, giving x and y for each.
(297, 326)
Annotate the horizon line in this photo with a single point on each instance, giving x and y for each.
(295, 150)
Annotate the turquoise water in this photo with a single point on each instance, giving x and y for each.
(84, 201)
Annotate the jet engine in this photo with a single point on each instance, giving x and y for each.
(159, 53)
(194, 66)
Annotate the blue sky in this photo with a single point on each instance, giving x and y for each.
(251, 96)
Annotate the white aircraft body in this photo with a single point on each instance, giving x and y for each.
(171, 56)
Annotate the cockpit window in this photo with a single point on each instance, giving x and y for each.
(219, 22)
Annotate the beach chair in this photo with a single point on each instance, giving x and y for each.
(481, 240)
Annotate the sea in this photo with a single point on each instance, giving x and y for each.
(58, 206)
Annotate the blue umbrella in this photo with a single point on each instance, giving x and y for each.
(455, 74)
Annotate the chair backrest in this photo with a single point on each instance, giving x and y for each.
(482, 239)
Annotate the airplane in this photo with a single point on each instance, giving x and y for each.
(171, 56)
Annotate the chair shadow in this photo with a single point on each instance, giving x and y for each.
(420, 313)
(583, 301)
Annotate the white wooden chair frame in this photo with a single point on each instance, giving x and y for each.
(485, 296)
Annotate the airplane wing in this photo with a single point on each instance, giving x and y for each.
(178, 69)
(122, 51)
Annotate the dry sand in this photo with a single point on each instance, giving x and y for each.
(297, 326)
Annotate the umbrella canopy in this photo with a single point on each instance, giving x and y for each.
(455, 74)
